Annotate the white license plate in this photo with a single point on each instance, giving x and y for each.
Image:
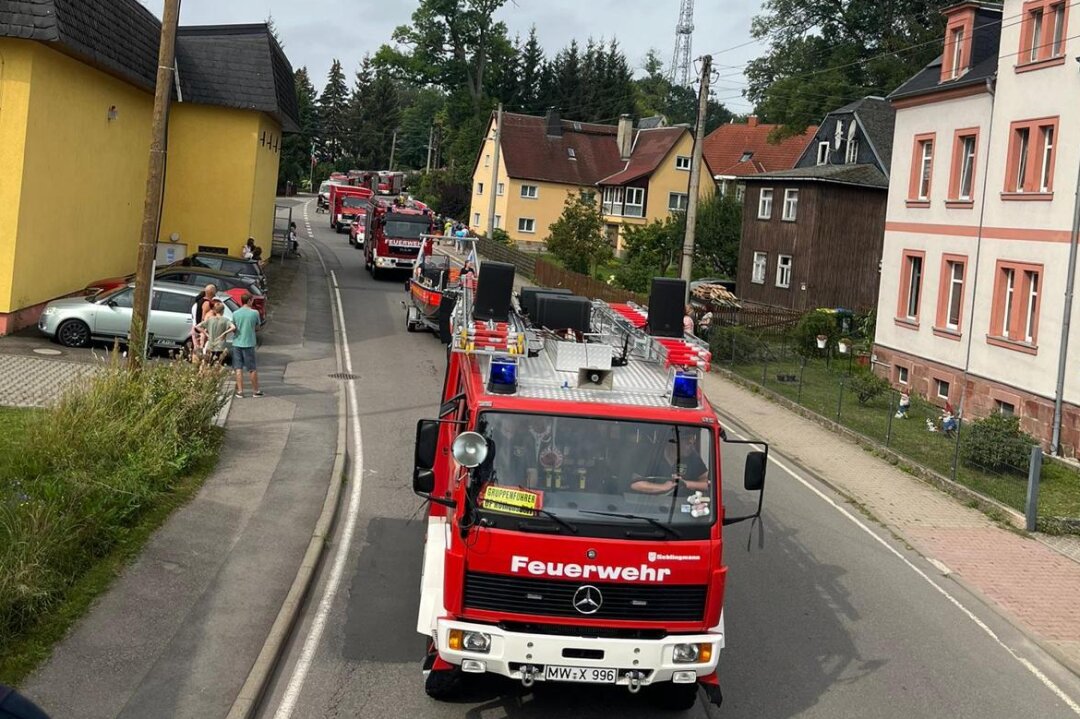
(586, 675)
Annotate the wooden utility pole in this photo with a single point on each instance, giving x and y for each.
(430, 137)
(393, 147)
(695, 173)
(155, 183)
(494, 172)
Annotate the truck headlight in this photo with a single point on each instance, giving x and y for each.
(691, 653)
(461, 640)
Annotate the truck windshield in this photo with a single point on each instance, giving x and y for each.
(405, 229)
(353, 201)
(599, 471)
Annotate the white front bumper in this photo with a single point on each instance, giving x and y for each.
(395, 263)
(510, 650)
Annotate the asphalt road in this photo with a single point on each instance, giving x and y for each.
(831, 619)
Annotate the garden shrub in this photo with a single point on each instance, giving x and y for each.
(735, 344)
(996, 442)
(809, 327)
(867, 386)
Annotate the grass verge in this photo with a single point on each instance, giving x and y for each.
(84, 483)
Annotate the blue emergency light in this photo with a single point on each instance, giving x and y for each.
(503, 376)
(684, 389)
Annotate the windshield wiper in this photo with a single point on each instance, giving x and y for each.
(654, 522)
(550, 515)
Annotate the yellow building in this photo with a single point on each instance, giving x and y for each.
(76, 98)
(642, 174)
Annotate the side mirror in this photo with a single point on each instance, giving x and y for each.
(754, 475)
(111, 303)
(427, 441)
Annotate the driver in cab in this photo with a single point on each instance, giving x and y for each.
(677, 463)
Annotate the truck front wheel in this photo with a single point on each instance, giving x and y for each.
(673, 697)
(444, 684)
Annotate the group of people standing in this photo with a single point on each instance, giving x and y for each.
(211, 329)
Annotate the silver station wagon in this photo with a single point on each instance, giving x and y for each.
(75, 321)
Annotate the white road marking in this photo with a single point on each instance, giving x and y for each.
(337, 570)
(940, 566)
(1046, 681)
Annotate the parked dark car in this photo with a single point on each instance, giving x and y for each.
(247, 269)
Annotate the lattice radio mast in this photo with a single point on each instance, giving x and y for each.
(684, 31)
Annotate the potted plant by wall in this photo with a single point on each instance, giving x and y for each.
(843, 345)
(822, 340)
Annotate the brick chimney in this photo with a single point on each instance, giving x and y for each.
(625, 136)
(554, 123)
(751, 121)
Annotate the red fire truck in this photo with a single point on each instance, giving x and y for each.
(393, 234)
(575, 517)
(346, 203)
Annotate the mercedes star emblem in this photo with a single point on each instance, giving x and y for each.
(591, 554)
(588, 599)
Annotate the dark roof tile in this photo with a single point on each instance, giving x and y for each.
(864, 175)
(531, 154)
(649, 150)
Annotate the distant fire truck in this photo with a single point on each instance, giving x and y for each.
(393, 234)
(346, 205)
(575, 518)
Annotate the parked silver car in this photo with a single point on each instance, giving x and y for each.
(75, 321)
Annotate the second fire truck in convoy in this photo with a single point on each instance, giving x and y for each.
(393, 234)
(574, 479)
(347, 203)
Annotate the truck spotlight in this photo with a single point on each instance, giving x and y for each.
(691, 653)
(476, 642)
(503, 376)
(684, 388)
(470, 449)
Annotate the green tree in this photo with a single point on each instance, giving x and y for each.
(822, 54)
(358, 145)
(448, 43)
(382, 113)
(658, 244)
(532, 74)
(295, 162)
(577, 237)
(568, 85)
(334, 114)
(717, 235)
(420, 111)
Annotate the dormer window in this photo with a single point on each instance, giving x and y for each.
(957, 40)
(746, 156)
(959, 27)
(571, 154)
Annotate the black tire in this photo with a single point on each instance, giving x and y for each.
(376, 273)
(73, 333)
(444, 685)
(673, 697)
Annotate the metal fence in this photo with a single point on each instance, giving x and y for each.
(843, 388)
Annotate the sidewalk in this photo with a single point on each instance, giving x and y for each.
(1032, 585)
(177, 633)
(28, 381)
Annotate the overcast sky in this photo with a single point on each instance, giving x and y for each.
(317, 31)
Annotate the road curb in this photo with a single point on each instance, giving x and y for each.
(262, 671)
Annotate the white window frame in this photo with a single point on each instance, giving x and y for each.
(760, 266)
(1022, 158)
(1032, 279)
(957, 38)
(967, 168)
(498, 221)
(527, 225)
(823, 153)
(914, 278)
(1045, 178)
(479, 188)
(1000, 406)
(764, 208)
(682, 201)
(500, 189)
(783, 271)
(937, 388)
(1037, 19)
(902, 375)
(571, 153)
(476, 219)
(682, 162)
(956, 293)
(740, 192)
(1057, 44)
(1010, 301)
(926, 165)
(791, 205)
(851, 153)
(487, 160)
(530, 192)
(631, 208)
